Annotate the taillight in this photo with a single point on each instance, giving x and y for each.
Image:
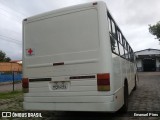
(25, 85)
(103, 82)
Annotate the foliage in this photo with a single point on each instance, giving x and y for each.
(3, 57)
(8, 95)
(155, 30)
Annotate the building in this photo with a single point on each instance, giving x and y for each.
(11, 66)
(10, 71)
(148, 60)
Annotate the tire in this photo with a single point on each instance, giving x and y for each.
(125, 106)
(135, 87)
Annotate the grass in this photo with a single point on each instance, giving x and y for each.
(8, 95)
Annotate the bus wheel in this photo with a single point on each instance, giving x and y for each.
(125, 106)
(135, 87)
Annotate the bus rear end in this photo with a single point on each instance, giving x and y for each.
(63, 67)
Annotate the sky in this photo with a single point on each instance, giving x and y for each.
(132, 16)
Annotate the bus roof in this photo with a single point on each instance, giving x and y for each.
(62, 10)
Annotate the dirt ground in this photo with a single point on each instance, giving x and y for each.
(8, 87)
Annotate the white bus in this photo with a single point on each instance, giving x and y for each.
(76, 59)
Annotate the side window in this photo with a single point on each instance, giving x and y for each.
(126, 54)
(119, 45)
(125, 48)
(120, 38)
(109, 23)
(129, 53)
(132, 56)
(114, 45)
(121, 50)
(125, 44)
(129, 56)
(113, 28)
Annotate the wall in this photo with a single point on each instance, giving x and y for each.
(7, 66)
(139, 65)
(8, 76)
(155, 53)
(6, 69)
(157, 64)
(148, 52)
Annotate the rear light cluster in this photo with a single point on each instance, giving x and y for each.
(103, 82)
(25, 85)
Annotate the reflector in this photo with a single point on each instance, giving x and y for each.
(25, 85)
(104, 88)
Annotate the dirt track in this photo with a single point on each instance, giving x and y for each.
(8, 87)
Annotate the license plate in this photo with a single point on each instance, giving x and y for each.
(59, 85)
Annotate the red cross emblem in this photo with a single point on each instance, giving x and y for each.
(29, 51)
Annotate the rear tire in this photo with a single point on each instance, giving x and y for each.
(125, 106)
(135, 87)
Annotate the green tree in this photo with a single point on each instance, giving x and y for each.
(3, 57)
(155, 30)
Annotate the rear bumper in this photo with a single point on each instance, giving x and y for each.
(110, 103)
(110, 107)
(107, 106)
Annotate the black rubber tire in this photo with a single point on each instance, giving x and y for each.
(135, 87)
(125, 106)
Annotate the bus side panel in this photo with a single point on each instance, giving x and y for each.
(117, 72)
(130, 76)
